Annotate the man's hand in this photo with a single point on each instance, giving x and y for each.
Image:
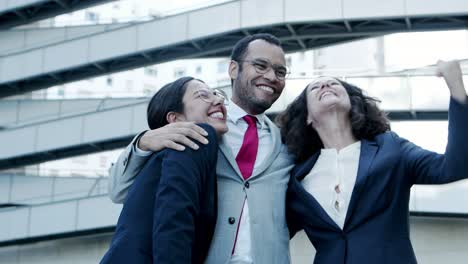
(452, 73)
(174, 136)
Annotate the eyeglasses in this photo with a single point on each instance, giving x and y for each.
(210, 96)
(262, 66)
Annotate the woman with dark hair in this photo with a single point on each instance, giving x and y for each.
(350, 190)
(170, 212)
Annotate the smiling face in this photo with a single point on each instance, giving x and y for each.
(201, 105)
(252, 91)
(326, 94)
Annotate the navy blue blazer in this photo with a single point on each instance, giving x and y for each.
(376, 228)
(170, 212)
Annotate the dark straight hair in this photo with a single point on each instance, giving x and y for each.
(167, 99)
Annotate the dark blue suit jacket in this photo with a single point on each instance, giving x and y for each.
(170, 212)
(376, 228)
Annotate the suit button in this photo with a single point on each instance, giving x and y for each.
(247, 184)
(231, 220)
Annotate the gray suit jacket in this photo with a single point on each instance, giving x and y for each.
(266, 194)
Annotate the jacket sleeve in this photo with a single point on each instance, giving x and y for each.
(178, 200)
(123, 172)
(426, 167)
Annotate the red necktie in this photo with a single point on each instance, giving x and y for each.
(248, 152)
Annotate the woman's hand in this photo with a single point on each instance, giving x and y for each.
(451, 72)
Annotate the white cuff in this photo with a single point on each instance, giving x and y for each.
(140, 152)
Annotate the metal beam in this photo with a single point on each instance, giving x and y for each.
(21, 14)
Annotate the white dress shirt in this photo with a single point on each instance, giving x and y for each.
(331, 180)
(234, 138)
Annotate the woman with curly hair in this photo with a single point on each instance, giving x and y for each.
(350, 190)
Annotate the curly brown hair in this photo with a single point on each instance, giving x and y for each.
(367, 121)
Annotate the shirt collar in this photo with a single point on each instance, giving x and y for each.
(235, 113)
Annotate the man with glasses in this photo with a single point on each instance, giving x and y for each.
(253, 165)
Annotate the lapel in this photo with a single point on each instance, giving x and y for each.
(275, 150)
(227, 152)
(300, 172)
(368, 150)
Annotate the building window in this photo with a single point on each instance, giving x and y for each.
(129, 85)
(223, 66)
(199, 69)
(148, 89)
(83, 160)
(151, 71)
(103, 161)
(91, 16)
(288, 61)
(179, 72)
(61, 91)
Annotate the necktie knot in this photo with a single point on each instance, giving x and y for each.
(250, 120)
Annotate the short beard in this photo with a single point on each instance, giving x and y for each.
(249, 103)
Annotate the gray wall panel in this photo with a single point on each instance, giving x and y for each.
(24, 192)
(254, 13)
(122, 41)
(22, 64)
(370, 8)
(441, 198)
(107, 124)
(97, 212)
(147, 32)
(36, 110)
(72, 188)
(78, 106)
(14, 223)
(58, 134)
(227, 17)
(15, 141)
(424, 7)
(8, 110)
(5, 183)
(140, 122)
(53, 218)
(75, 52)
(11, 40)
(305, 10)
(44, 36)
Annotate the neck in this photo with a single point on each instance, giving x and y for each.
(246, 108)
(335, 131)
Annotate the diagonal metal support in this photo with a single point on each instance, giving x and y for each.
(348, 26)
(293, 33)
(21, 14)
(196, 45)
(409, 25)
(62, 3)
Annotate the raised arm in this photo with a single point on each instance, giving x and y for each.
(432, 168)
(173, 136)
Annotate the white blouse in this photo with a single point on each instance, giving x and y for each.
(331, 180)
